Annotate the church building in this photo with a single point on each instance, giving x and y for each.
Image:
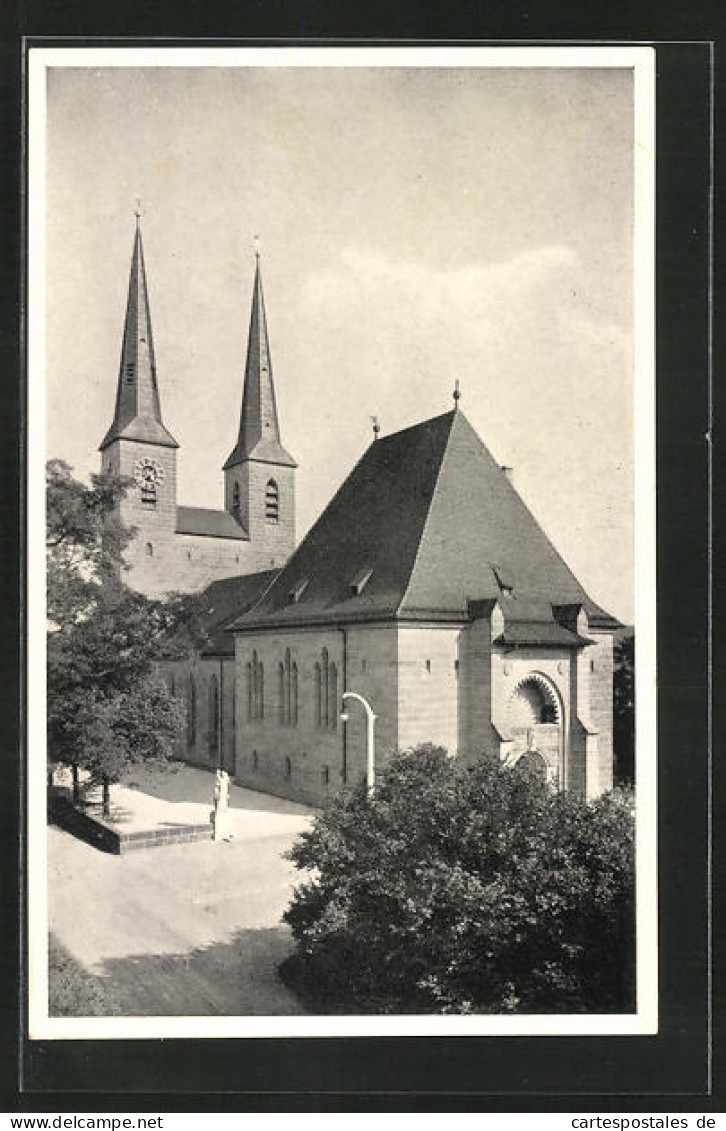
(426, 587)
(184, 548)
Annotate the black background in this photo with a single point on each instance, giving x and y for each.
(669, 1072)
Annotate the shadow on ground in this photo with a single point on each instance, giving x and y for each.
(237, 978)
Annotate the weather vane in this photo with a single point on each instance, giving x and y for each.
(137, 209)
(376, 427)
(457, 393)
(256, 242)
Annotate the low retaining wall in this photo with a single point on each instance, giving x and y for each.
(108, 839)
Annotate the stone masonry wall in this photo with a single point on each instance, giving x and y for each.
(428, 686)
(162, 561)
(197, 744)
(601, 702)
(322, 757)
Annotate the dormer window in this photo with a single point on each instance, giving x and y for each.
(360, 581)
(297, 590)
(504, 579)
(272, 502)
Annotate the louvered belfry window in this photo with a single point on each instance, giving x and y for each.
(272, 502)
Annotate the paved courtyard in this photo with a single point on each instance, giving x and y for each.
(187, 929)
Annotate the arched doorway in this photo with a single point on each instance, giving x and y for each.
(535, 724)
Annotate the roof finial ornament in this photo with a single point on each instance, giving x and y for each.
(457, 394)
(137, 210)
(256, 242)
(376, 427)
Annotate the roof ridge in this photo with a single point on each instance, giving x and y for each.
(453, 414)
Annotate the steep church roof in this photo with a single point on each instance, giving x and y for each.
(222, 601)
(259, 429)
(138, 410)
(426, 523)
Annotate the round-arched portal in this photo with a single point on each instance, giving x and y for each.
(534, 718)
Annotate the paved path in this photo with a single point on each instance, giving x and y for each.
(188, 929)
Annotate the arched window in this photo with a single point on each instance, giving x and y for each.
(281, 693)
(318, 696)
(172, 685)
(325, 692)
(149, 550)
(272, 502)
(288, 687)
(255, 761)
(260, 691)
(235, 500)
(250, 696)
(293, 718)
(192, 715)
(333, 697)
(213, 726)
(288, 768)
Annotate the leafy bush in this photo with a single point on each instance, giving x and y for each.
(624, 709)
(464, 889)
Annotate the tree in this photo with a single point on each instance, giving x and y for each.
(624, 709)
(85, 540)
(107, 708)
(464, 889)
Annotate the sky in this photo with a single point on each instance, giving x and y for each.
(416, 226)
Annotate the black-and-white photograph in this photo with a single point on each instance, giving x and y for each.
(342, 448)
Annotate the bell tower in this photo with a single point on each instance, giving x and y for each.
(138, 444)
(259, 475)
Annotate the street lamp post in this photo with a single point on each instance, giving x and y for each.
(370, 743)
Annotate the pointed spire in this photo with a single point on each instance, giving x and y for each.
(138, 410)
(259, 429)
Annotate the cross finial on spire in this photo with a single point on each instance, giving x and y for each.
(457, 393)
(137, 210)
(256, 242)
(376, 427)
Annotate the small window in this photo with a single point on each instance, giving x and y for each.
(255, 761)
(288, 769)
(456, 668)
(293, 718)
(325, 775)
(592, 665)
(428, 665)
(149, 550)
(272, 502)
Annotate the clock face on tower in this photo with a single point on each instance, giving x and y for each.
(148, 472)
